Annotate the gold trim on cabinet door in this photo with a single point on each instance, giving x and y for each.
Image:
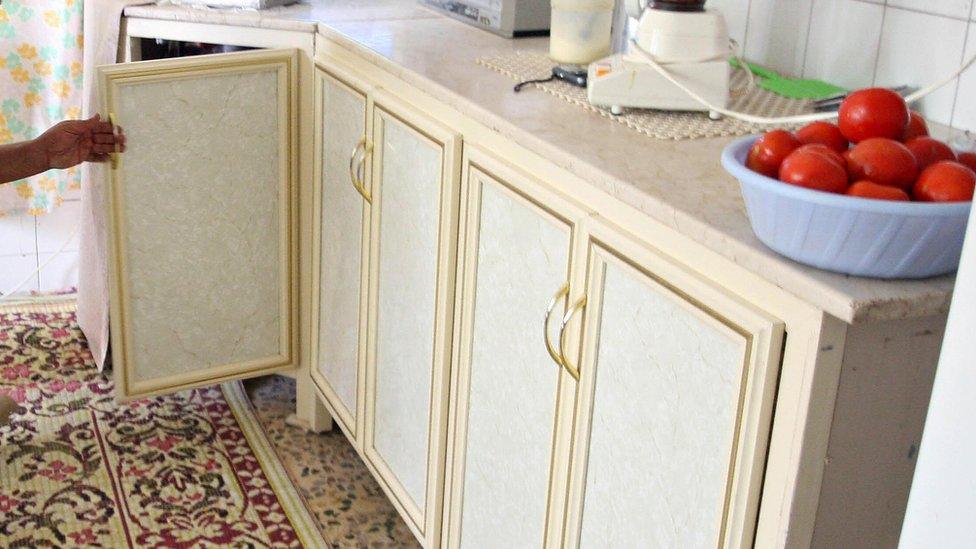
(763, 336)
(110, 79)
(424, 523)
(481, 168)
(347, 419)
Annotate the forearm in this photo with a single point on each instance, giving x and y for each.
(20, 160)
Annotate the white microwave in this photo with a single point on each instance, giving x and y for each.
(509, 18)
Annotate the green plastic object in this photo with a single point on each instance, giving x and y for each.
(794, 88)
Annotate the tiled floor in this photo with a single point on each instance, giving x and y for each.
(350, 507)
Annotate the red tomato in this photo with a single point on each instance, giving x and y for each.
(823, 133)
(968, 159)
(870, 189)
(873, 112)
(826, 151)
(884, 161)
(848, 163)
(928, 151)
(945, 181)
(916, 127)
(768, 152)
(813, 170)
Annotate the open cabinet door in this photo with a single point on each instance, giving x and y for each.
(203, 265)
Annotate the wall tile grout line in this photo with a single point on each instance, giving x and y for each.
(877, 56)
(958, 81)
(745, 31)
(806, 44)
(923, 12)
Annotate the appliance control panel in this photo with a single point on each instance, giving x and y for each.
(486, 13)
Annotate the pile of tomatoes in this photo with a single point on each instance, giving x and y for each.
(878, 149)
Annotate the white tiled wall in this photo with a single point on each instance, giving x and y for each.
(26, 242)
(858, 43)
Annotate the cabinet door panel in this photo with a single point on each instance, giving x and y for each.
(517, 258)
(343, 215)
(677, 389)
(405, 310)
(666, 394)
(203, 219)
(414, 210)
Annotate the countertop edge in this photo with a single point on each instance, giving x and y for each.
(186, 14)
(836, 304)
(759, 261)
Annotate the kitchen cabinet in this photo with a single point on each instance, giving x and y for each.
(203, 210)
(611, 377)
(598, 378)
(340, 249)
(387, 206)
(677, 381)
(413, 227)
(516, 242)
(412, 188)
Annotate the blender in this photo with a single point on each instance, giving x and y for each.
(686, 40)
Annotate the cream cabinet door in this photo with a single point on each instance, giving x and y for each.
(676, 390)
(203, 219)
(516, 260)
(340, 249)
(415, 173)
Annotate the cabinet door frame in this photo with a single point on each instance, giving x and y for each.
(425, 523)
(608, 244)
(352, 425)
(111, 78)
(534, 194)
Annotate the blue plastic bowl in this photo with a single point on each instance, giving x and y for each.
(850, 235)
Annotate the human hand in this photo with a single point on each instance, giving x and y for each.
(72, 142)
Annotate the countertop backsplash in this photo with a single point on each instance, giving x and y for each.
(859, 43)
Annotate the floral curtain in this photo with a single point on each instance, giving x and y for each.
(40, 85)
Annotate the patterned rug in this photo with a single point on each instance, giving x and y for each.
(79, 470)
(349, 506)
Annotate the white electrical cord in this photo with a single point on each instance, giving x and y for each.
(750, 78)
(799, 119)
(9, 294)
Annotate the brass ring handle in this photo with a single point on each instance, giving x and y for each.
(577, 307)
(114, 157)
(560, 295)
(361, 172)
(355, 163)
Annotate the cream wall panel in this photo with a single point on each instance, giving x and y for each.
(522, 258)
(409, 186)
(667, 392)
(341, 244)
(203, 219)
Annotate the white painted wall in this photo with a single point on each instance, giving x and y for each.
(942, 506)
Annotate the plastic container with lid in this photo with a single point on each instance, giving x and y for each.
(580, 31)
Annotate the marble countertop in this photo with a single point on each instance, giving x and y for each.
(679, 183)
